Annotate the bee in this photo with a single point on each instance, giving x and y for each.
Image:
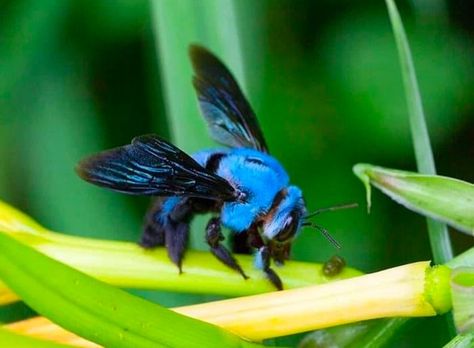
(246, 189)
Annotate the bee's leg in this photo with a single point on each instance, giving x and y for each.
(153, 230)
(240, 243)
(176, 241)
(262, 261)
(177, 230)
(214, 237)
(167, 223)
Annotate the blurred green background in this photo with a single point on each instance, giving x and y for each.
(77, 77)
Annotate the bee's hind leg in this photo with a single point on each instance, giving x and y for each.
(214, 237)
(153, 231)
(176, 241)
(169, 228)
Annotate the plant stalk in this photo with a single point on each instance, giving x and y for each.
(411, 290)
(438, 232)
(128, 265)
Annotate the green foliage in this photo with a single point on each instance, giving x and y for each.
(438, 232)
(372, 333)
(211, 23)
(128, 265)
(97, 311)
(462, 284)
(445, 199)
(466, 259)
(461, 341)
(322, 77)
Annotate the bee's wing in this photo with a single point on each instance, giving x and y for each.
(229, 115)
(152, 166)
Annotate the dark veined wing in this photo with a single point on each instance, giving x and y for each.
(152, 166)
(229, 115)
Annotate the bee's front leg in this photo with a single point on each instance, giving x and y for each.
(263, 262)
(214, 237)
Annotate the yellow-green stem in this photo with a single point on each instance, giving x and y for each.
(411, 290)
(127, 265)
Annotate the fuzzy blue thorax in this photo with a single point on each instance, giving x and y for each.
(259, 176)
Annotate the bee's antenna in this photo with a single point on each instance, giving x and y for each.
(333, 208)
(325, 233)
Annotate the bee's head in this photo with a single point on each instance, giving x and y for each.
(283, 222)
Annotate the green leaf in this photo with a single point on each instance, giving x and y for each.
(13, 340)
(466, 259)
(438, 232)
(371, 333)
(419, 130)
(462, 287)
(461, 341)
(99, 312)
(211, 23)
(442, 198)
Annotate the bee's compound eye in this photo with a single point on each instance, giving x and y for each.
(287, 232)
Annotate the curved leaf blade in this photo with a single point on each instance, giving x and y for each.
(99, 312)
(438, 232)
(442, 198)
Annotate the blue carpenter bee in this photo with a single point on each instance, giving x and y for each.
(246, 187)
